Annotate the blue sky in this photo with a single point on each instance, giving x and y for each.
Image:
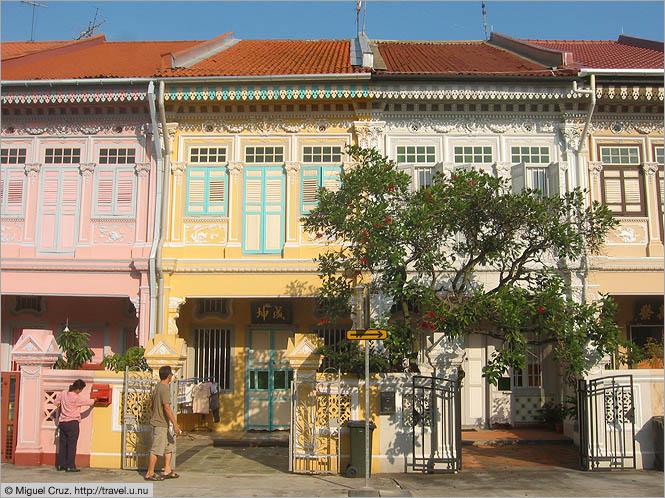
(401, 20)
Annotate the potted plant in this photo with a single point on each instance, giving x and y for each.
(74, 345)
(132, 358)
(552, 414)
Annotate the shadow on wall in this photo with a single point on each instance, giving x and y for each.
(650, 439)
(297, 288)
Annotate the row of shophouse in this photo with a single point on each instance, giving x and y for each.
(158, 187)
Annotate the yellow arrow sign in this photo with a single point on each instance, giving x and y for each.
(366, 334)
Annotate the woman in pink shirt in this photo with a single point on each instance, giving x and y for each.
(70, 415)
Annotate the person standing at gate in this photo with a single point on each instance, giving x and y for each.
(71, 402)
(163, 439)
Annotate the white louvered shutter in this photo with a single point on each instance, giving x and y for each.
(253, 210)
(310, 188)
(216, 191)
(196, 190)
(518, 177)
(632, 191)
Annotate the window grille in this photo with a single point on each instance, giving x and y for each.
(264, 154)
(416, 154)
(207, 155)
(117, 156)
(28, 303)
(322, 154)
(211, 306)
(62, 155)
(472, 154)
(212, 355)
(530, 155)
(12, 156)
(332, 335)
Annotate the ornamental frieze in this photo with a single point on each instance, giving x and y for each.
(112, 234)
(472, 125)
(205, 234)
(21, 127)
(627, 126)
(267, 125)
(11, 232)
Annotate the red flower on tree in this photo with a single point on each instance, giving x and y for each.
(541, 310)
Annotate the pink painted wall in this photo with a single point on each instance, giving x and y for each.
(111, 322)
(99, 254)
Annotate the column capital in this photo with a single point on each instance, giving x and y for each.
(650, 168)
(595, 167)
(178, 167)
(143, 169)
(292, 167)
(235, 167)
(87, 169)
(33, 169)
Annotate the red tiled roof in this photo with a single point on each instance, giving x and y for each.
(606, 54)
(10, 50)
(455, 58)
(274, 57)
(105, 60)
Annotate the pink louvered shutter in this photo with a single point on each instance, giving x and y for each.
(14, 181)
(104, 192)
(125, 192)
(69, 205)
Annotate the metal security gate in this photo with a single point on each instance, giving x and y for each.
(319, 408)
(436, 425)
(607, 423)
(136, 412)
(11, 382)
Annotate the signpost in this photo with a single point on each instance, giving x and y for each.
(356, 335)
(366, 334)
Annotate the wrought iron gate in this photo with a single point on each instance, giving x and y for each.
(436, 425)
(319, 408)
(607, 423)
(136, 433)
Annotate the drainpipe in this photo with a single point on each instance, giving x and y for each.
(157, 217)
(164, 207)
(580, 169)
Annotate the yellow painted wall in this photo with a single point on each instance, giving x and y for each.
(104, 439)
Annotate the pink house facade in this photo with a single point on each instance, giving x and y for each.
(77, 214)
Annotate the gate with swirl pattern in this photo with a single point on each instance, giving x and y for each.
(320, 405)
(607, 423)
(136, 412)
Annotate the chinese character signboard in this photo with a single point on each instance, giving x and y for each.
(271, 312)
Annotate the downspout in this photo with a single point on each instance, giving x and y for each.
(580, 170)
(164, 207)
(157, 216)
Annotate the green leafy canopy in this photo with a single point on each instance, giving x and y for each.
(464, 255)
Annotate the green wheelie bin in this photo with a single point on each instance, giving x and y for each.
(356, 467)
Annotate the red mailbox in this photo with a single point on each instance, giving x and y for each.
(101, 393)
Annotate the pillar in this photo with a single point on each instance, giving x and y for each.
(35, 351)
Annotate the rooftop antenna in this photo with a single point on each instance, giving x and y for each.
(484, 19)
(34, 4)
(364, 15)
(359, 5)
(92, 26)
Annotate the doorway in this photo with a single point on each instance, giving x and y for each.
(269, 377)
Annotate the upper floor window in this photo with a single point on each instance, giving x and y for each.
(418, 161)
(12, 156)
(264, 154)
(314, 178)
(207, 155)
(114, 191)
(473, 155)
(322, 154)
(416, 154)
(117, 156)
(534, 169)
(659, 155)
(29, 304)
(530, 155)
(622, 187)
(62, 155)
(206, 190)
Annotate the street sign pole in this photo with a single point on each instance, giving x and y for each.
(367, 452)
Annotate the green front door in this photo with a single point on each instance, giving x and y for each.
(268, 398)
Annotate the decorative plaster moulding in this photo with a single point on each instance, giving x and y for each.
(72, 126)
(64, 95)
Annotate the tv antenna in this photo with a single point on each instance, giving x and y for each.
(34, 4)
(92, 26)
(484, 19)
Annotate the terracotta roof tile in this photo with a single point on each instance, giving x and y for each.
(274, 57)
(107, 60)
(606, 54)
(19, 49)
(455, 58)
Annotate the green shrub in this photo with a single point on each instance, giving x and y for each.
(74, 345)
(132, 358)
